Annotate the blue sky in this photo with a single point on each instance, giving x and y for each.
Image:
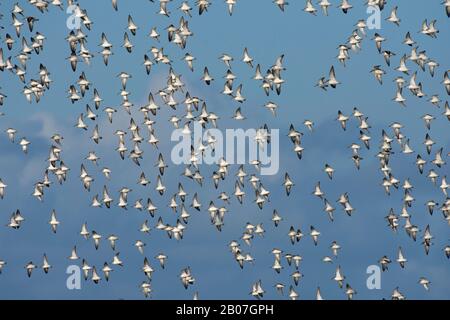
(309, 44)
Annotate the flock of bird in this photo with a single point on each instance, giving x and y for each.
(19, 33)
